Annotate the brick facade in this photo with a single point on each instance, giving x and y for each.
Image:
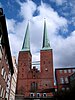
(62, 79)
(3, 80)
(31, 80)
(13, 80)
(6, 66)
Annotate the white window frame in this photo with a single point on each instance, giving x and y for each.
(65, 71)
(6, 95)
(61, 71)
(38, 94)
(2, 71)
(4, 75)
(6, 78)
(31, 94)
(1, 92)
(73, 70)
(69, 70)
(0, 86)
(62, 80)
(66, 80)
(44, 94)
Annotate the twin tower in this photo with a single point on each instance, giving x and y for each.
(31, 81)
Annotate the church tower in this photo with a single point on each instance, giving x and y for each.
(32, 82)
(24, 63)
(46, 59)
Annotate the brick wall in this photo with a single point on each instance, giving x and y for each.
(29, 77)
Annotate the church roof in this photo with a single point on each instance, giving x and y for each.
(46, 43)
(26, 42)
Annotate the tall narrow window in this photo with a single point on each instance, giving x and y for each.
(6, 59)
(69, 70)
(60, 71)
(6, 78)
(73, 70)
(66, 80)
(65, 71)
(2, 72)
(4, 75)
(0, 49)
(62, 80)
(1, 92)
(34, 86)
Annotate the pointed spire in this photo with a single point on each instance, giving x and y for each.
(26, 42)
(46, 44)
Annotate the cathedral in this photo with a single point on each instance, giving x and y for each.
(32, 82)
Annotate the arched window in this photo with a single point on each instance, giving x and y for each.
(38, 95)
(44, 94)
(21, 90)
(34, 87)
(31, 94)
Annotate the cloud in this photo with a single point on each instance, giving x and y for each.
(67, 9)
(27, 9)
(65, 51)
(63, 48)
(11, 25)
(58, 2)
(14, 36)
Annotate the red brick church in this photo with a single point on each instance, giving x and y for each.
(31, 81)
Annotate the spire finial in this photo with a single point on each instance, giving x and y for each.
(26, 42)
(46, 44)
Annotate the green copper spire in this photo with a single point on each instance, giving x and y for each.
(46, 44)
(26, 42)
